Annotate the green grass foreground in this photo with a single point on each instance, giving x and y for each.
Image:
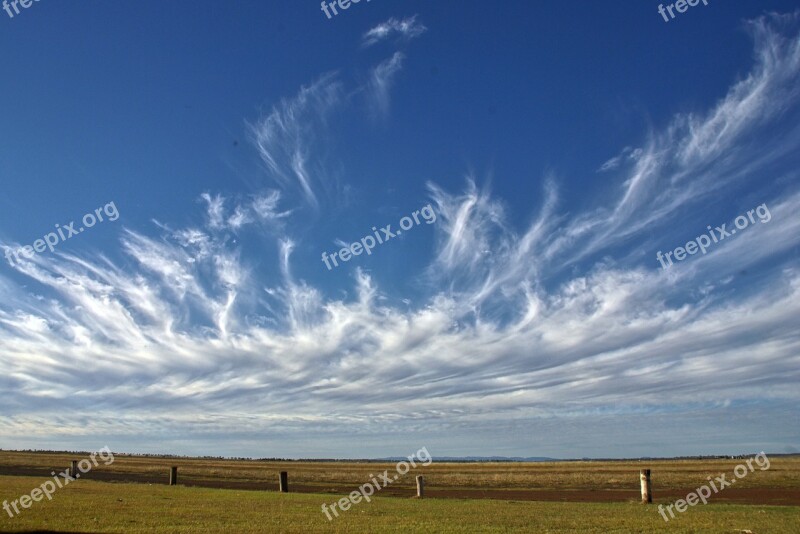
(89, 506)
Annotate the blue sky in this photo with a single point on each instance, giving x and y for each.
(560, 145)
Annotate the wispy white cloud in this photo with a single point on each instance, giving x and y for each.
(215, 210)
(628, 154)
(380, 83)
(286, 139)
(700, 155)
(262, 208)
(405, 29)
(265, 207)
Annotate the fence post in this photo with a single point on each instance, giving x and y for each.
(73, 469)
(644, 479)
(420, 486)
(284, 482)
(173, 475)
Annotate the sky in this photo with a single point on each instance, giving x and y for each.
(562, 229)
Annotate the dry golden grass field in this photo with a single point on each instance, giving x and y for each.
(131, 495)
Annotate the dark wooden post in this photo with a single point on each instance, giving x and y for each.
(73, 469)
(420, 486)
(284, 482)
(644, 479)
(173, 475)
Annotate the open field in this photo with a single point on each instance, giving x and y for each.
(130, 495)
(90, 506)
(615, 481)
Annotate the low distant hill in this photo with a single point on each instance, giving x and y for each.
(480, 459)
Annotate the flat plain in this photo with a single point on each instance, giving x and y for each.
(131, 495)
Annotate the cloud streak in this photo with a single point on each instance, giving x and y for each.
(403, 29)
(286, 139)
(380, 82)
